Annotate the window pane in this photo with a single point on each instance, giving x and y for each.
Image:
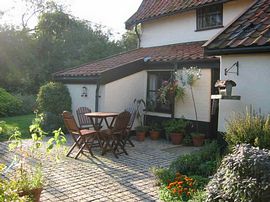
(155, 80)
(210, 16)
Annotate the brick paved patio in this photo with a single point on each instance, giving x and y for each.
(106, 178)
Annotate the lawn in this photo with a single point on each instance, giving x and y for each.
(22, 122)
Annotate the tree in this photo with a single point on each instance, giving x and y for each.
(129, 40)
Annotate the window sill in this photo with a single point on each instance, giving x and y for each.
(160, 114)
(209, 28)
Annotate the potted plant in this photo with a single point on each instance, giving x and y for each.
(154, 131)
(169, 91)
(141, 129)
(176, 129)
(141, 133)
(197, 139)
(26, 179)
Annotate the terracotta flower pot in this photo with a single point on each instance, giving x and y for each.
(34, 194)
(140, 136)
(176, 138)
(154, 135)
(198, 140)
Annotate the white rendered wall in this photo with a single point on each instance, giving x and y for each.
(202, 95)
(119, 95)
(181, 28)
(253, 85)
(75, 91)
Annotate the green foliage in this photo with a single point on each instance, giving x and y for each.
(9, 105)
(26, 177)
(249, 128)
(8, 192)
(203, 162)
(28, 103)
(5, 131)
(199, 181)
(242, 176)
(52, 100)
(21, 122)
(30, 56)
(198, 196)
(187, 141)
(163, 175)
(129, 40)
(175, 126)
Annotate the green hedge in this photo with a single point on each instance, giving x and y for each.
(52, 99)
(9, 104)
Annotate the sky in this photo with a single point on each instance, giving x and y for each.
(111, 13)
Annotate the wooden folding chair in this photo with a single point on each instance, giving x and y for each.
(127, 137)
(114, 136)
(84, 121)
(83, 138)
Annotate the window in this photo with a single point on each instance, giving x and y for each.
(154, 82)
(209, 17)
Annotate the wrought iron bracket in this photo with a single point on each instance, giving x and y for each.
(228, 70)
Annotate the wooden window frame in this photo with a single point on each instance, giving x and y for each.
(160, 108)
(200, 12)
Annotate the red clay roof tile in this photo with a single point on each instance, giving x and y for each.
(151, 9)
(251, 29)
(179, 52)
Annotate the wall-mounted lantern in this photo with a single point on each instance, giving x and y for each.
(84, 92)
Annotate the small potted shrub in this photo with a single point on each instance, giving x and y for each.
(176, 129)
(154, 131)
(29, 183)
(26, 179)
(198, 139)
(141, 132)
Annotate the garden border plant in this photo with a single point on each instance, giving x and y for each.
(28, 179)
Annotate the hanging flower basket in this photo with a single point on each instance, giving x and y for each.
(169, 91)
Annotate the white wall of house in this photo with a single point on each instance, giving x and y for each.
(202, 95)
(253, 85)
(119, 95)
(75, 91)
(181, 28)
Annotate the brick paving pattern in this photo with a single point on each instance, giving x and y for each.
(105, 178)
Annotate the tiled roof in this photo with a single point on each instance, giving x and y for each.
(250, 30)
(151, 9)
(177, 52)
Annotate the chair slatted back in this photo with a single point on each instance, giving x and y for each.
(121, 121)
(83, 120)
(70, 123)
(133, 113)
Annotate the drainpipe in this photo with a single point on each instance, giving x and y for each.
(138, 35)
(175, 65)
(97, 94)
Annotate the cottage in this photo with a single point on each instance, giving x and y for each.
(245, 42)
(171, 37)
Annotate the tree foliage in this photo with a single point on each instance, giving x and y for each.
(28, 57)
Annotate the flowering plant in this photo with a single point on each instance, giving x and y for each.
(182, 187)
(170, 90)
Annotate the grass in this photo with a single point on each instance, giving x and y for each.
(22, 122)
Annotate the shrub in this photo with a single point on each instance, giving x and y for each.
(28, 103)
(242, 176)
(51, 121)
(249, 128)
(52, 100)
(9, 105)
(5, 131)
(203, 162)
